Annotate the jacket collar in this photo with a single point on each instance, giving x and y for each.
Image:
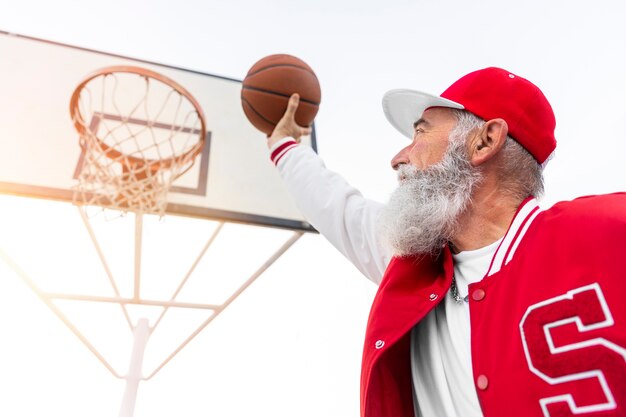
(525, 215)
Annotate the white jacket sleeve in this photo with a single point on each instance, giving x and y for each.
(335, 208)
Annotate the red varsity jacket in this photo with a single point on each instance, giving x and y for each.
(548, 320)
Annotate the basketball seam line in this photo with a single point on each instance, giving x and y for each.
(261, 90)
(280, 65)
(257, 113)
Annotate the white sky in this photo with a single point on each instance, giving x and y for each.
(291, 344)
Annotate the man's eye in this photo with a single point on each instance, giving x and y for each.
(418, 130)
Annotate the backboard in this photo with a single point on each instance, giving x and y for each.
(233, 178)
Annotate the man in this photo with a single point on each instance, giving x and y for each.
(488, 304)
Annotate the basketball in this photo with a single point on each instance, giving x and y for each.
(269, 84)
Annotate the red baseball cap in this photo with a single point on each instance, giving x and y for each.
(488, 93)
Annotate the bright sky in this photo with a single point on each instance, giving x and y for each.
(291, 344)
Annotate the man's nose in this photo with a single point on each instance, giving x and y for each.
(401, 158)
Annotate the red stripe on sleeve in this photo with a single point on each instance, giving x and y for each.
(278, 153)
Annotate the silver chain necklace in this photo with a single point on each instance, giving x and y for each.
(455, 293)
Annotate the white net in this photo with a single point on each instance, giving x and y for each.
(139, 131)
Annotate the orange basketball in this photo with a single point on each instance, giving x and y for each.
(268, 86)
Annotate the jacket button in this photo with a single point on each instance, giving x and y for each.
(379, 344)
(478, 294)
(482, 382)
(433, 297)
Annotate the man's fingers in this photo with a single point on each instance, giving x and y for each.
(287, 125)
(292, 105)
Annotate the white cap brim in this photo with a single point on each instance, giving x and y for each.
(404, 107)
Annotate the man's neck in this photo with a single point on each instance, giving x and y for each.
(486, 219)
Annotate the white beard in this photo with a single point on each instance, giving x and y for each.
(422, 213)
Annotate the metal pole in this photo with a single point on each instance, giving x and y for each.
(141, 333)
(138, 236)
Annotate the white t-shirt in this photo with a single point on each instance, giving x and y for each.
(441, 362)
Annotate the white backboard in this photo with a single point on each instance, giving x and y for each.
(233, 178)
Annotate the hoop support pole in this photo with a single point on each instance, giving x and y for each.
(141, 332)
(131, 301)
(138, 236)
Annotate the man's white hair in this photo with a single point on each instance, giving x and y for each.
(519, 172)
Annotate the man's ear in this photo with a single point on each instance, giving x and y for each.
(488, 141)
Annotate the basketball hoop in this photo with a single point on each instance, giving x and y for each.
(139, 131)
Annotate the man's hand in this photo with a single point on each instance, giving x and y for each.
(287, 126)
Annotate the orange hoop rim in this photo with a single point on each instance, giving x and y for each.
(80, 124)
